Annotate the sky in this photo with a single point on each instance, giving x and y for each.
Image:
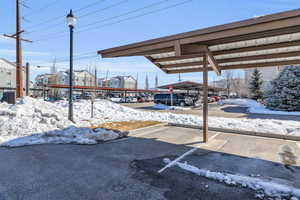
(104, 24)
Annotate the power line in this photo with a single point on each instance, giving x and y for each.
(62, 16)
(114, 17)
(102, 9)
(127, 13)
(117, 22)
(80, 56)
(82, 16)
(42, 8)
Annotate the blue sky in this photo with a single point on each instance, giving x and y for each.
(108, 23)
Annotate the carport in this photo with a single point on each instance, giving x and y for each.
(191, 86)
(271, 40)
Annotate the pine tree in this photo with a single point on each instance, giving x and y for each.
(285, 92)
(255, 85)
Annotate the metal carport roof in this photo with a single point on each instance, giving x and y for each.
(271, 40)
(189, 85)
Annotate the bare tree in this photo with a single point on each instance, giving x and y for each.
(228, 77)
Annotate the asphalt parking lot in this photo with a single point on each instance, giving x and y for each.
(126, 168)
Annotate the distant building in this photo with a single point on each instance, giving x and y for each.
(44, 79)
(123, 82)
(83, 78)
(103, 82)
(8, 74)
(59, 78)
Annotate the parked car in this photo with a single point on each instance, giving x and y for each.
(217, 98)
(178, 99)
(140, 99)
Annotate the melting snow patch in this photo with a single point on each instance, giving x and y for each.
(265, 187)
(255, 107)
(71, 134)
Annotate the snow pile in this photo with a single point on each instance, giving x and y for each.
(34, 121)
(166, 107)
(71, 134)
(255, 107)
(267, 187)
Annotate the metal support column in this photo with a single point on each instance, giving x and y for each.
(27, 78)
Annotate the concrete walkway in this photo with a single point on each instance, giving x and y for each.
(125, 169)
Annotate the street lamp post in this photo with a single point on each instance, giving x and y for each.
(71, 20)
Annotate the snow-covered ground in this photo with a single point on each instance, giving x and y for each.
(166, 107)
(49, 121)
(262, 186)
(255, 107)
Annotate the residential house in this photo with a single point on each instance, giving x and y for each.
(123, 82)
(8, 74)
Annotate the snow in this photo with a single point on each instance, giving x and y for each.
(166, 107)
(34, 121)
(255, 107)
(267, 186)
(49, 121)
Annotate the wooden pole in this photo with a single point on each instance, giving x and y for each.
(19, 71)
(205, 99)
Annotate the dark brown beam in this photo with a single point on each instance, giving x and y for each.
(257, 48)
(190, 64)
(259, 57)
(138, 50)
(151, 60)
(265, 64)
(177, 57)
(209, 57)
(274, 28)
(242, 66)
(256, 35)
(177, 48)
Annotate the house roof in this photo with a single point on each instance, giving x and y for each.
(271, 40)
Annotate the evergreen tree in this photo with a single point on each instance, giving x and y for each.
(255, 85)
(285, 92)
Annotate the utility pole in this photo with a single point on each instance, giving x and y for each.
(19, 73)
(18, 38)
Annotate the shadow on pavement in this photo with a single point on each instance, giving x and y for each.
(124, 169)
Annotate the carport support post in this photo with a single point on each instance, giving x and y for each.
(205, 101)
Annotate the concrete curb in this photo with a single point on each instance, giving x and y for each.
(241, 132)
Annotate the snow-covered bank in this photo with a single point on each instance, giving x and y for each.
(255, 107)
(35, 116)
